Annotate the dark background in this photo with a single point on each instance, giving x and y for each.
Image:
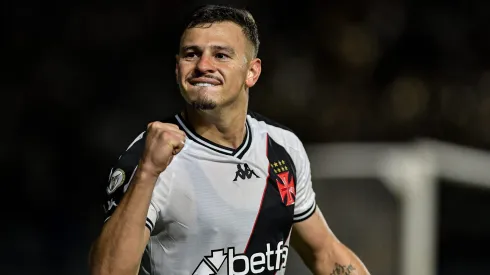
(81, 79)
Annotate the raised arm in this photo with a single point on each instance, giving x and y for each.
(121, 243)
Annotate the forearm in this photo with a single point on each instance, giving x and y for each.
(338, 260)
(121, 244)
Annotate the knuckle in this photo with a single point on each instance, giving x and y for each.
(166, 126)
(173, 127)
(176, 140)
(153, 125)
(166, 135)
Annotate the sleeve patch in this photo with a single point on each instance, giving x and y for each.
(117, 179)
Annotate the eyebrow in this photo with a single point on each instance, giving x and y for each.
(216, 48)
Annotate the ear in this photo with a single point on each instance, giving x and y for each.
(253, 72)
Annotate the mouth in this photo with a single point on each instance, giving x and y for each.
(204, 82)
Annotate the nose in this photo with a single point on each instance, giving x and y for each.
(205, 64)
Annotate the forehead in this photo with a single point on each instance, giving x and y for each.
(221, 34)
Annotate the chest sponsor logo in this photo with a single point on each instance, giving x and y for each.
(270, 260)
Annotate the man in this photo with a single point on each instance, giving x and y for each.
(215, 189)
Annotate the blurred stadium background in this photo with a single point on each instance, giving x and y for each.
(392, 99)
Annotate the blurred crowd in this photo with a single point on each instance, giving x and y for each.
(82, 79)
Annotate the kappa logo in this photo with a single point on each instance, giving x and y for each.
(246, 173)
(115, 180)
(259, 262)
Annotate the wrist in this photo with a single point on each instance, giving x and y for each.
(146, 173)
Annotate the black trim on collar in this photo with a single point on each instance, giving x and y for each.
(238, 152)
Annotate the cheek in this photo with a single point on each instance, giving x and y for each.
(183, 70)
(237, 74)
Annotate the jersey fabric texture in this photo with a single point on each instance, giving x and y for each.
(218, 210)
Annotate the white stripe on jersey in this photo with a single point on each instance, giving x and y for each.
(306, 214)
(137, 138)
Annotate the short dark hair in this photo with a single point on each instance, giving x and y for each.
(209, 14)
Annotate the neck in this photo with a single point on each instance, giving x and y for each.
(225, 127)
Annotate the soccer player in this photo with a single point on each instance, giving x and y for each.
(215, 189)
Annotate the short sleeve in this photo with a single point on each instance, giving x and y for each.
(120, 178)
(305, 204)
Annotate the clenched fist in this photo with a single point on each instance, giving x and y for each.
(163, 142)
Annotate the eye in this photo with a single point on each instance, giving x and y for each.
(221, 56)
(190, 55)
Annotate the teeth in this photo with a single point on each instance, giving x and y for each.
(200, 84)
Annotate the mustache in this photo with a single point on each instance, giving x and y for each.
(210, 76)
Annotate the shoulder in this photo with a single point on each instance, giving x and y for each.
(269, 122)
(277, 131)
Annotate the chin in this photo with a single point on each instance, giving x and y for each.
(203, 99)
(203, 102)
(204, 105)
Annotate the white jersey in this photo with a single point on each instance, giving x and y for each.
(218, 210)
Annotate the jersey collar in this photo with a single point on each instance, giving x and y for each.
(238, 152)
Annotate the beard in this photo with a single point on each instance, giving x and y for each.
(203, 104)
(199, 99)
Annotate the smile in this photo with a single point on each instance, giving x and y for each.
(203, 84)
